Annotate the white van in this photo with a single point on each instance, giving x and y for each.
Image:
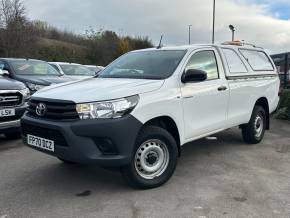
(139, 112)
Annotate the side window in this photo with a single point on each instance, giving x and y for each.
(234, 62)
(2, 65)
(206, 61)
(258, 60)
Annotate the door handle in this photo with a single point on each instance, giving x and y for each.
(222, 88)
(189, 96)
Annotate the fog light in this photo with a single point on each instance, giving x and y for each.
(106, 146)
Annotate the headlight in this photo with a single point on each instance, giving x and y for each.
(26, 93)
(107, 109)
(34, 87)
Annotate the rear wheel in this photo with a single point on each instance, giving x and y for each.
(154, 159)
(254, 131)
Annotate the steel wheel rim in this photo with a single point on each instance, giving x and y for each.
(151, 159)
(259, 126)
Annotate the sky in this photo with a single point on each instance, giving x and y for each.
(265, 23)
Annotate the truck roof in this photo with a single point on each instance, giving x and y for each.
(196, 46)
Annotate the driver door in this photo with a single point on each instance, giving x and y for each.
(205, 103)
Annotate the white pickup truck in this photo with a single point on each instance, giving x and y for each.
(144, 106)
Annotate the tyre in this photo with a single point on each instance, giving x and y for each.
(13, 135)
(254, 131)
(154, 159)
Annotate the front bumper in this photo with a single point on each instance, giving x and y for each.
(10, 124)
(13, 124)
(85, 141)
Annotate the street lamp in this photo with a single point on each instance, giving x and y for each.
(232, 28)
(189, 32)
(213, 23)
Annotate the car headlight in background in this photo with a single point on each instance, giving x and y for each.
(26, 93)
(107, 109)
(34, 87)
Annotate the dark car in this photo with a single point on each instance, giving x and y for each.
(35, 74)
(13, 98)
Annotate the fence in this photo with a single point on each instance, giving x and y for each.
(282, 62)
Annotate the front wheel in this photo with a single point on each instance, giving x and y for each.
(254, 131)
(154, 159)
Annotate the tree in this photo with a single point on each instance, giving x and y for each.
(105, 46)
(124, 46)
(16, 33)
(11, 11)
(20, 37)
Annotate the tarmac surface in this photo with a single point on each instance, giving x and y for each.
(221, 177)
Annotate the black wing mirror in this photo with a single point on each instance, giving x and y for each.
(192, 75)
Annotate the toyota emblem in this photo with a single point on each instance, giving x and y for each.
(40, 109)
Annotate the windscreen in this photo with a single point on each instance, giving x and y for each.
(157, 64)
(32, 67)
(76, 70)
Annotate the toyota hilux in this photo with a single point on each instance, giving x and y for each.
(142, 108)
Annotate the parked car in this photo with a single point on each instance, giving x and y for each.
(75, 71)
(144, 106)
(95, 69)
(13, 97)
(35, 74)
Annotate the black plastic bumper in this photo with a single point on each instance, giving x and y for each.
(12, 124)
(104, 142)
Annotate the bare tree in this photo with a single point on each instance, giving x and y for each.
(11, 11)
(20, 37)
(16, 32)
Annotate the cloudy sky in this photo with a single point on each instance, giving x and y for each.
(263, 22)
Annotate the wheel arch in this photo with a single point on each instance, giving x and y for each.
(167, 123)
(263, 102)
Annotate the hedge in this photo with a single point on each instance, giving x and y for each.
(284, 105)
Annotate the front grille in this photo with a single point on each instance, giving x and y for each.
(65, 110)
(10, 99)
(46, 133)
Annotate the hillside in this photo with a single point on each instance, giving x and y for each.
(21, 37)
(56, 50)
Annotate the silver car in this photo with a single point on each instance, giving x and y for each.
(73, 70)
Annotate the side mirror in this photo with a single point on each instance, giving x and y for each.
(4, 73)
(193, 75)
